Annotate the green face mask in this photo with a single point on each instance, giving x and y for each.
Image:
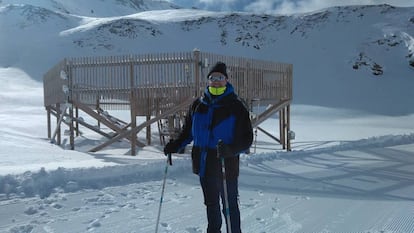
(217, 90)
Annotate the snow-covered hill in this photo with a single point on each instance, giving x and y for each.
(338, 53)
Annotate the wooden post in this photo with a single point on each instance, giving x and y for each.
(49, 127)
(197, 71)
(59, 112)
(149, 130)
(69, 101)
(71, 128)
(99, 112)
(288, 127)
(283, 128)
(133, 134)
(133, 113)
(77, 123)
(148, 117)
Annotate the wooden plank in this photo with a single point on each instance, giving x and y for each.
(268, 134)
(78, 120)
(269, 112)
(143, 125)
(98, 117)
(57, 130)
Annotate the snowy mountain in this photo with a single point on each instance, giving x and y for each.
(338, 53)
(94, 8)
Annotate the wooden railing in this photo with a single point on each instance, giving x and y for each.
(155, 80)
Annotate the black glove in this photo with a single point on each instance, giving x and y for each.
(171, 147)
(224, 150)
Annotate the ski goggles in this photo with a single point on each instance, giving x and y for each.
(215, 78)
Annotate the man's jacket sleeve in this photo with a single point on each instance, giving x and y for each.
(243, 135)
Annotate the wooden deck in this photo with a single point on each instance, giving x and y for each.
(156, 86)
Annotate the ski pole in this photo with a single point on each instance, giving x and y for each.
(169, 163)
(226, 198)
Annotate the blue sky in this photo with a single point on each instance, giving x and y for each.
(280, 6)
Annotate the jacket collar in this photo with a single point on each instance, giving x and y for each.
(208, 98)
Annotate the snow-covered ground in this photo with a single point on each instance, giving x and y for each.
(349, 171)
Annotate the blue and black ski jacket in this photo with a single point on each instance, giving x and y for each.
(209, 119)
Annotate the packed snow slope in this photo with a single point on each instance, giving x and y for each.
(358, 57)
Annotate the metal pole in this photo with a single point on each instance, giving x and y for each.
(226, 198)
(169, 163)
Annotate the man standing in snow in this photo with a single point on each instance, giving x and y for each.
(218, 115)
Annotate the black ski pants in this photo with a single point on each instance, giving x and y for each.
(213, 190)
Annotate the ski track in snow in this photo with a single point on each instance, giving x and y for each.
(96, 210)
